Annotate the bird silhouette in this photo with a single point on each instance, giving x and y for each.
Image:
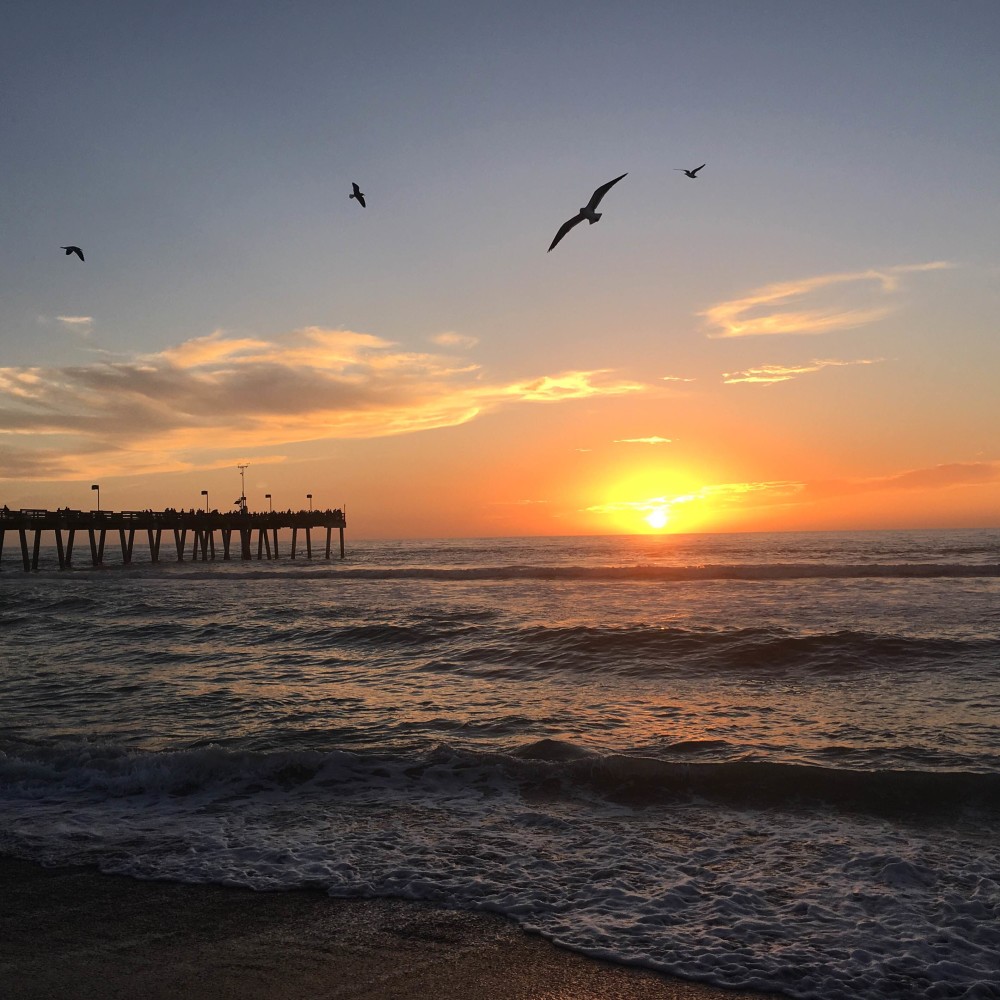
(693, 174)
(75, 250)
(588, 212)
(358, 193)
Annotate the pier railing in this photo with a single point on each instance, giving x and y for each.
(193, 532)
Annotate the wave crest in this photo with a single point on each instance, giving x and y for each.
(545, 767)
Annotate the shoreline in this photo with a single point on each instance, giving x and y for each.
(73, 931)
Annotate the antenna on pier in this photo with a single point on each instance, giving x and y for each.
(243, 487)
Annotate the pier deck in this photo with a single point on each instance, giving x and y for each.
(193, 532)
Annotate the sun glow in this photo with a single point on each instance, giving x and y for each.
(670, 499)
(657, 518)
(643, 499)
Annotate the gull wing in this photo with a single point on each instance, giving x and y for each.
(595, 198)
(564, 229)
(361, 198)
(696, 169)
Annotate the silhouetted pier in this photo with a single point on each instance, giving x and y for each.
(193, 533)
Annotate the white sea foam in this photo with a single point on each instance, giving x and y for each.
(816, 905)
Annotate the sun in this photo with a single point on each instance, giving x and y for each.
(657, 518)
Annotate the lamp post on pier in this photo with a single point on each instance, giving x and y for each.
(270, 506)
(309, 497)
(97, 486)
(204, 493)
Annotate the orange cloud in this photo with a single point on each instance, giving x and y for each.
(184, 407)
(646, 440)
(769, 374)
(569, 385)
(756, 314)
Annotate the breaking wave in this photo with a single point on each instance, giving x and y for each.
(550, 768)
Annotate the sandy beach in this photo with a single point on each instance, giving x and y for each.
(73, 932)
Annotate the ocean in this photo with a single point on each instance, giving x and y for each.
(765, 761)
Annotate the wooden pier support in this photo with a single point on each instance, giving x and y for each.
(126, 546)
(97, 547)
(264, 544)
(204, 542)
(65, 553)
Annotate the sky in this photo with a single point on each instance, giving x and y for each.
(805, 337)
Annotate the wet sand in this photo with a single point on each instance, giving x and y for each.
(74, 933)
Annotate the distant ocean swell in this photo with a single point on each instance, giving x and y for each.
(651, 651)
(548, 769)
(684, 573)
(655, 648)
(601, 574)
(478, 642)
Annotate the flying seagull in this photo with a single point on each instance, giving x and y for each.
(358, 193)
(588, 212)
(693, 174)
(75, 250)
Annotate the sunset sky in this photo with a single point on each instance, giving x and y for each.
(805, 337)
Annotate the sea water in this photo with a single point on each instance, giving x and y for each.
(761, 761)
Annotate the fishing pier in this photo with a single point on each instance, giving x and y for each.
(193, 533)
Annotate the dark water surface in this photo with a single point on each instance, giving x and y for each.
(766, 761)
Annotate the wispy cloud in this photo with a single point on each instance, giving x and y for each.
(451, 339)
(769, 374)
(183, 407)
(675, 378)
(569, 385)
(82, 325)
(793, 307)
(634, 506)
(721, 494)
(646, 440)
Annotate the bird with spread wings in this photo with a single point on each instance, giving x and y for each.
(588, 212)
